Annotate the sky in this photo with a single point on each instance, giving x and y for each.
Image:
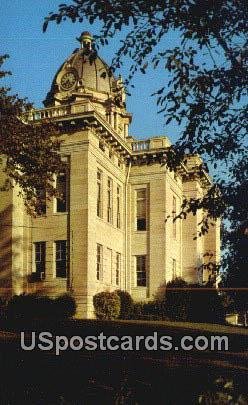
(35, 57)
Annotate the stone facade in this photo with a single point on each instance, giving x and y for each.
(111, 230)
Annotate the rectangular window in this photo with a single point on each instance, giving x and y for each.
(141, 271)
(40, 258)
(110, 201)
(99, 261)
(141, 199)
(174, 213)
(174, 269)
(118, 207)
(99, 194)
(118, 269)
(41, 195)
(61, 258)
(109, 267)
(61, 187)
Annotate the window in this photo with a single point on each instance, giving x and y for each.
(118, 207)
(61, 187)
(99, 272)
(118, 269)
(61, 258)
(141, 209)
(110, 200)
(40, 258)
(109, 260)
(141, 271)
(41, 195)
(174, 269)
(174, 213)
(99, 194)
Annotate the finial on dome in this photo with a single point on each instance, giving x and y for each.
(85, 40)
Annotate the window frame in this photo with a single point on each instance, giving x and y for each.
(118, 206)
(118, 269)
(65, 201)
(99, 194)
(110, 200)
(99, 262)
(138, 225)
(42, 253)
(143, 279)
(62, 252)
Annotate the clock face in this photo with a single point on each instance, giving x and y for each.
(68, 80)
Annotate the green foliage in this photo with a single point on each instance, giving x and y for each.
(3, 306)
(193, 303)
(31, 306)
(237, 276)
(126, 304)
(65, 306)
(205, 305)
(137, 310)
(30, 150)
(152, 311)
(107, 305)
(176, 300)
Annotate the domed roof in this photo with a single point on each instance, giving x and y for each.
(83, 71)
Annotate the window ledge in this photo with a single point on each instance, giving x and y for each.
(60, 213)
(60, 278)
(136, 231)
(110, 224)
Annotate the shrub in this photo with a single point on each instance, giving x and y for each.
(138, 311)
(193, 303)
(107, 305)
(152, 310)
(176, 302)
(28, 306)
(205, 305)
(3, 306)
(65, 306)
(32, 306)
(126, 304)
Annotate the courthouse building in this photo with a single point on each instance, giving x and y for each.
(108, 230)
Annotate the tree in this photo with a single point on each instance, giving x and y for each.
(193, 302)
(237, 277)
(29, 152)
(205, 92)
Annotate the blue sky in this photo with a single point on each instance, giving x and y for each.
(35, 57)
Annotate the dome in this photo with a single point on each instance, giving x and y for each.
(83, 72)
